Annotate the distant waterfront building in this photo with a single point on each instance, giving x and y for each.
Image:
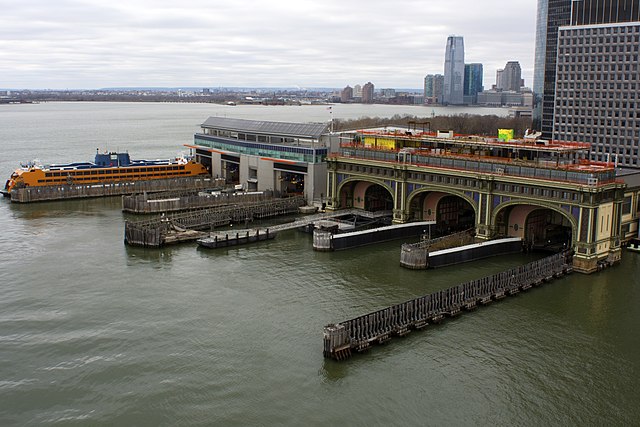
(511, 78)
(506, 98)
(453, 91)
(551, 15)
(357, 91)
(346, 95)
(428, 88)
(433, 84)
(472, 82)
(490, 98)
(499, 83)
(597, 84)
(367, 93)
(388, 93)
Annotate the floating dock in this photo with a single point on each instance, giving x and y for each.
(357, 334)
(225, 239)
(421, 255)
(324, 240)
(229, 238)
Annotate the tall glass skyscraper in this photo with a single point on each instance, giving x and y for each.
(472, 82)
(552, 14)
(453, 92)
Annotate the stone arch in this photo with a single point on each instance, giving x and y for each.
(519, 214)
(352, 192)
(432, 199)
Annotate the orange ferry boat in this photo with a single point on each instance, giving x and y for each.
(107, 167)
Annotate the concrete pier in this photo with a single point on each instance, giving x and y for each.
(324, 240)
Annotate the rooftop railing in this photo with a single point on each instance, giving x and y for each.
(582, 172)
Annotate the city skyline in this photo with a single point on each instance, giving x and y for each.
(84, 44)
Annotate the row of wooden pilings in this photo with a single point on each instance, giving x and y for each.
(152, 233)
(173, 201)
(340, 339)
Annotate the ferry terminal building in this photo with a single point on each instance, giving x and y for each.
(286, 158)
(545, 192)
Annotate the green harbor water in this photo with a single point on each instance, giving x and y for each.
(93, 332)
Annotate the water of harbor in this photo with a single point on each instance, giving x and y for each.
(96, 333)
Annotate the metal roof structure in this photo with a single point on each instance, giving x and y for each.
(299, 130)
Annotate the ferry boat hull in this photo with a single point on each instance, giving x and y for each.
(107, 167)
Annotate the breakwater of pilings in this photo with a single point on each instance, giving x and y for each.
(174, 201)
(357, 334)
(79, 191)
(180, 227)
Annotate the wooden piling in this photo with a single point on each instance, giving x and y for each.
(377, 327)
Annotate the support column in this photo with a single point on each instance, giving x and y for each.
(485, 229)
(333, 201)
(400, 214)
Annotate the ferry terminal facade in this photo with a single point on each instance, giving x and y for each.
(539, 192)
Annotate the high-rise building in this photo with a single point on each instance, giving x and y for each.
(428, 88)
(593, 12)
(552, 14)
(367, 93)
(499, 83)
(433, 88)
(453, 91)
(597, 84)
(347, 94)
(472, 83)
(357, 91)
(511, 78)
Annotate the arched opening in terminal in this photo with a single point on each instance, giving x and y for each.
(366, 195)
(377, 198)
(451, 213)
(541, 229)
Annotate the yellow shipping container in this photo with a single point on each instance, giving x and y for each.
(383, 143)
(505, 134)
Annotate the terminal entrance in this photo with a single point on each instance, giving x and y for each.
(291, 183)
(541, 229)
(231, 172)
(454, 214)
(377, 198)
(451, 213)
(547, 230)
(366, 195)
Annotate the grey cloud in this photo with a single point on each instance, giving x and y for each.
(93, 43)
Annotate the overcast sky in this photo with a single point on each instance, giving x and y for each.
(73, 44)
